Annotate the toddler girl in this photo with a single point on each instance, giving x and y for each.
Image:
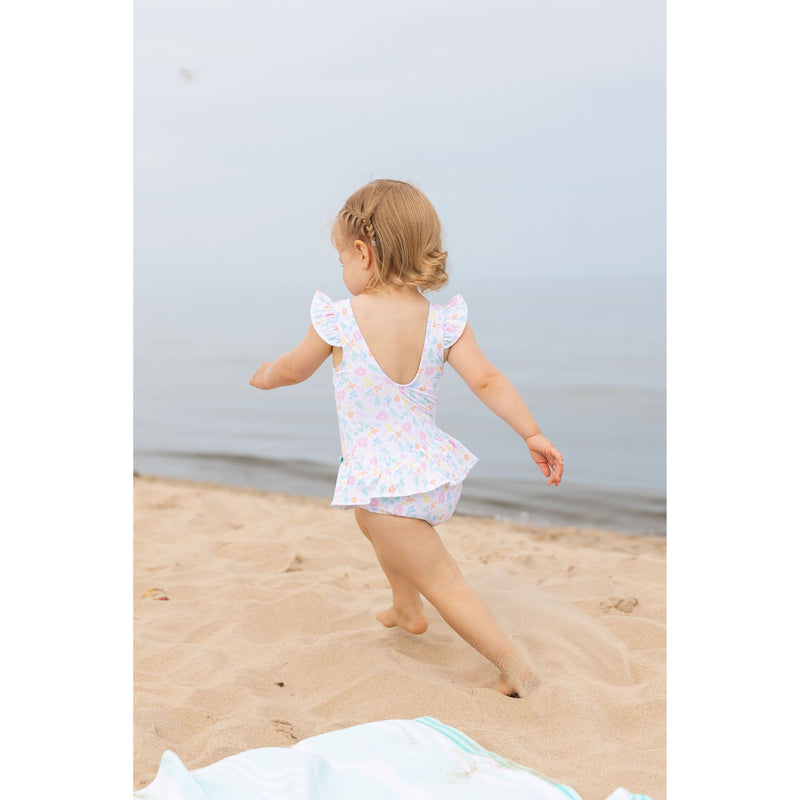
(400, 472)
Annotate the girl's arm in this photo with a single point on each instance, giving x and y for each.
(497, 392)
(295, 366)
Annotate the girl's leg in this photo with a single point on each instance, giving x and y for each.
(412, 552)
(406, 609)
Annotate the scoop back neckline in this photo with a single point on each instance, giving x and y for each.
(375, 360)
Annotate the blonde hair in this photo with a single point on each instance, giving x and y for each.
(402, 229)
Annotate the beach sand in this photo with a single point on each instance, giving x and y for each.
(268, 636)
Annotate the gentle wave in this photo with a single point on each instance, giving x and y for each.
(590, 361)
(623, 510)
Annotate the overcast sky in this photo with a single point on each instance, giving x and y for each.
(536, 128)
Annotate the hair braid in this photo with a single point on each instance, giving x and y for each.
(359, 223)
(398, 221)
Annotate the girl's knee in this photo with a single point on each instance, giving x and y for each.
(442, 579)
(445, 597)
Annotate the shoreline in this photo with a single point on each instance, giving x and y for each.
(269, 636)
(476, 501)
(578, 535)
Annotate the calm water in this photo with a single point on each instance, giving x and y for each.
(588, 354)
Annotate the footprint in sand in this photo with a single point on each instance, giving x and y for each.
(285, 727)
(624, 604)
(296, 564)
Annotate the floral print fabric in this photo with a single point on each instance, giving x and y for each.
(434, 507)
(391, 446)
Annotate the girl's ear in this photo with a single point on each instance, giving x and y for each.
(363, 251)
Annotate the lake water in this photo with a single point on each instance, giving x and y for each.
(587, 353)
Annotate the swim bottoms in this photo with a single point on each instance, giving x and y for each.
(434, 507)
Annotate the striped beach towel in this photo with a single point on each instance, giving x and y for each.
(420, 759)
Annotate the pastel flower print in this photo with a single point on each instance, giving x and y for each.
(389, 431)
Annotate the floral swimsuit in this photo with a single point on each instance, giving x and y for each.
(394, 459)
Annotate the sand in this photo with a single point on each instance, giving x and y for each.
(268, 636)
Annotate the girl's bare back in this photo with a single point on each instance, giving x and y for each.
(393, 325)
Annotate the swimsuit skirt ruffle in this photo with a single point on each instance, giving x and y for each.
(362, 479)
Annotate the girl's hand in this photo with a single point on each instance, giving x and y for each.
(258, 376)
(545, 454)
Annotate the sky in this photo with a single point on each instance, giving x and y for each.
(536, 129)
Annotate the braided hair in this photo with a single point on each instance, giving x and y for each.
(401, 227)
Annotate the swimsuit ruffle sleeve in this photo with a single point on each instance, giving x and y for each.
(455, 320)
(323, 318)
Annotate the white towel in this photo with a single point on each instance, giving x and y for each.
(419, 759)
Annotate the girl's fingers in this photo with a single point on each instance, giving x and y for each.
(263, 368)
(551, 464)
(557, 465)
(543, 466)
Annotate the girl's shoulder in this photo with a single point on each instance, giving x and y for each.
(326, 315)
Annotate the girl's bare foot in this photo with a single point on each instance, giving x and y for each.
(516, 683)
(411, 620)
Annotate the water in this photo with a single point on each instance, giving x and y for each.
(588, 354)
